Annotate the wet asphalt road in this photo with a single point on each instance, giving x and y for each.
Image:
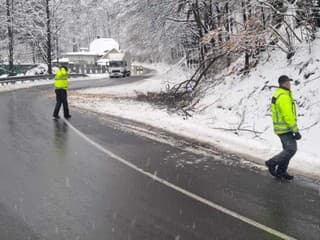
(55, 185)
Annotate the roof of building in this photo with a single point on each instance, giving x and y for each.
(101, 45)
(80, 54)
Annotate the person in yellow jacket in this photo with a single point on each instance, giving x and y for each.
(61, 86)
(284, 117)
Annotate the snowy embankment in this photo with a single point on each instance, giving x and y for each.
(234, 115)
(28, 84)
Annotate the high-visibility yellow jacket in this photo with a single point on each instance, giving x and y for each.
(284, 113)
(61, 79)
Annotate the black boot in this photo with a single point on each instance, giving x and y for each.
(271, 167)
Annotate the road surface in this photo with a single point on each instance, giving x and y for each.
(57, 183)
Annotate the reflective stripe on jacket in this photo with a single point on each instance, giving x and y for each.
(284, 113)
(61, 79)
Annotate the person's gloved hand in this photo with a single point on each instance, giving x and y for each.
(297, 136)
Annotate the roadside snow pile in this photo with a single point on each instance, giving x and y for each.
(41, 69)
(4, 76)
(234, 115)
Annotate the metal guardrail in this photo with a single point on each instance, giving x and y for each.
(13, 80)
(17, 68)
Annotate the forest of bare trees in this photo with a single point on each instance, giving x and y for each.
(196, 32)
(32, 26)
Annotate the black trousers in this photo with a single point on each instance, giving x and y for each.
(289, 145)
(62, 99)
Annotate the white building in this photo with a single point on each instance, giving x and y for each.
(97, 49)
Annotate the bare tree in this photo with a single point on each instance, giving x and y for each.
(9, 6)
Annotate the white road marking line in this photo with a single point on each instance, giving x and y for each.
(181, 190)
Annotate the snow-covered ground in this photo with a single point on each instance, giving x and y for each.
(236, 103)
(4, 76)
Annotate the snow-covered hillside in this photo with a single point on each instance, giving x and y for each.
(234, 109)
(244, 102)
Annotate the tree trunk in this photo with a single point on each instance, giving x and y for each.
(33, 53)
(317, 6)
(197, 17)
(244, 12)
(248, 5)
(247, 54)
(263, 18)
(247, 62)
(57, 44)
(10, 35)
(57, 48)
(49, 57)
(228, 28)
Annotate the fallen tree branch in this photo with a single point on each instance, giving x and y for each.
(239, 130)
(311, 80)
(179, 20)
(309, 127)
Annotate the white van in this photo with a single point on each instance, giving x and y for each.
(119, 65)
